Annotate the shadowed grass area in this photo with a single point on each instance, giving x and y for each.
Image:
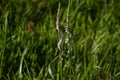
(31, 53)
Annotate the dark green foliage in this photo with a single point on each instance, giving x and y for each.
(94, 25)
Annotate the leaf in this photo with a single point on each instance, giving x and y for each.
(50, 71)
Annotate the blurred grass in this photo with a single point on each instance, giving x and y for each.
(95, 39)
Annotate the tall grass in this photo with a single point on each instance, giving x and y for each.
(76, 40)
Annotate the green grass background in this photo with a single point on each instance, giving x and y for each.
(95, 28)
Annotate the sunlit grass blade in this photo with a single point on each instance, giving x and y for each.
(21, 62)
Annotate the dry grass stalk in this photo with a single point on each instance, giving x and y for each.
(31, 30)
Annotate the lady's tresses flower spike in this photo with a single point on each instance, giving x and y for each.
(67, 31)
(60, 40)
(57, 24)
(67, 41)
(59, 32)
(57, 21)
